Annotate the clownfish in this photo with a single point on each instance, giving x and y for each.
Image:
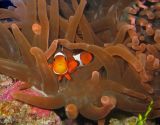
(63, 66)
(83, 58)
(59, 64)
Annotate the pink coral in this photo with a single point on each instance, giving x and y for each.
(7, 96)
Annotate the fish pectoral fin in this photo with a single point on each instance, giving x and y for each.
(68, 77)
(60, 78)
(72, 65)
(50, 66)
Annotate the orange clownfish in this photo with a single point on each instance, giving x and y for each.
(83, 58)
(63, 66)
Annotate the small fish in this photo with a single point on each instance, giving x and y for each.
(83, 58)
(59, 64)
(62, 66)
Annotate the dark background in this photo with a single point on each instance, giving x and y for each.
(5, 3)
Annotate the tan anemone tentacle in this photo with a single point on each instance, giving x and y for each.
(157, 36)
(28, 18)
(157, 46)
(49, 85)
(65, 9)
(40, 101)
(4, 13)
(101, 121)
(74, 21)
(8, 24)
(16, 70)
(54, 20)
(123, 52)
(85, 72)
(95, 77)
(24, 46)
(71, 111)
(63, 24)
(51, 50)
(157, 39)
(130, 104)
(3, 53)
(8, 43)
(152, 50)
(93, 112)
(120, 88)
(84, 26)
(26, 12)
(123, 29)
(37, 29)
(42, 14)
(100, 25)
(32, 13)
